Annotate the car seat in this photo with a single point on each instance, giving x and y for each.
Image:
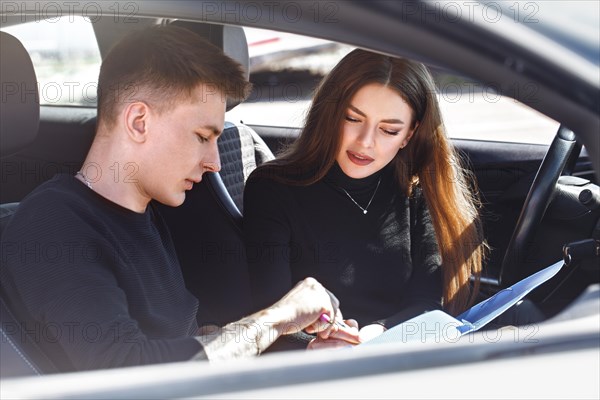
(19, 120)
(207, 228)
(20, 111)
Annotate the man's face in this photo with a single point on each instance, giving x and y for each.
(182, 145)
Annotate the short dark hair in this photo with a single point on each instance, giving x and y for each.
(161, 65)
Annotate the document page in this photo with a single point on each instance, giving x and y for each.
(435, 326)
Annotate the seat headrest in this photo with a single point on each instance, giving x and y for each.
(20, 104)
(231, 39)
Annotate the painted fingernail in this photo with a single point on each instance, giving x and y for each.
(325, 318)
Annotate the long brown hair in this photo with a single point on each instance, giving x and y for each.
(428, 160)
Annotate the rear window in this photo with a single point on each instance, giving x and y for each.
(65, 56)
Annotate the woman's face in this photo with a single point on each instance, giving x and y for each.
(377, 123)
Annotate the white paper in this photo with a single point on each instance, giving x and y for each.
(437, 326)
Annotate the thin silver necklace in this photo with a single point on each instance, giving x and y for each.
(85, 179)
(364, 210)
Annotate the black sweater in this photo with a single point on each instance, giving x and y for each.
(383, 266)
(95, 284)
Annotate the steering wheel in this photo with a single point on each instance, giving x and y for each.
(563, 148)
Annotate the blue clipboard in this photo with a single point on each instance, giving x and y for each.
(435, 326)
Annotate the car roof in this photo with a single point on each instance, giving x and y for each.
(555, 21)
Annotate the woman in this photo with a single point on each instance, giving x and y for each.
(370, 200)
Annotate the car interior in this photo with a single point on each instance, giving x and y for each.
(39, 141)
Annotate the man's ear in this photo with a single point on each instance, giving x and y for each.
(136, 121)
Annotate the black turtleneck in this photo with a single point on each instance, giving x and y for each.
(383, 266)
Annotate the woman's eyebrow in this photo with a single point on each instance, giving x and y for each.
(387, 121)
(356, 110)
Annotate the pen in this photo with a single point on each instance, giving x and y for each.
(325, 318)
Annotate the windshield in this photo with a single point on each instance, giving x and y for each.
(573, 24)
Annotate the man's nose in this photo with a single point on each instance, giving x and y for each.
(213, 161)
(211, 167)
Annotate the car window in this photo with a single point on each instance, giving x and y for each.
(285, 69)
(474, 111)
(65, 56)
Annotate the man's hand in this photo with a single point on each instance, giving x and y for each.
(302, 307)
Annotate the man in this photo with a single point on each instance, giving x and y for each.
(89, 267)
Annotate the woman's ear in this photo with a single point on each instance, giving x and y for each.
(136, 121)
(410, 135)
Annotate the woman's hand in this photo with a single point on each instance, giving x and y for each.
(337, 337)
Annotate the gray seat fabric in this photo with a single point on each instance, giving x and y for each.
(6, 212)
(240, 150)
(19, 353)
(13, 362)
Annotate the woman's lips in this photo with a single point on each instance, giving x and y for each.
(359, 159)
